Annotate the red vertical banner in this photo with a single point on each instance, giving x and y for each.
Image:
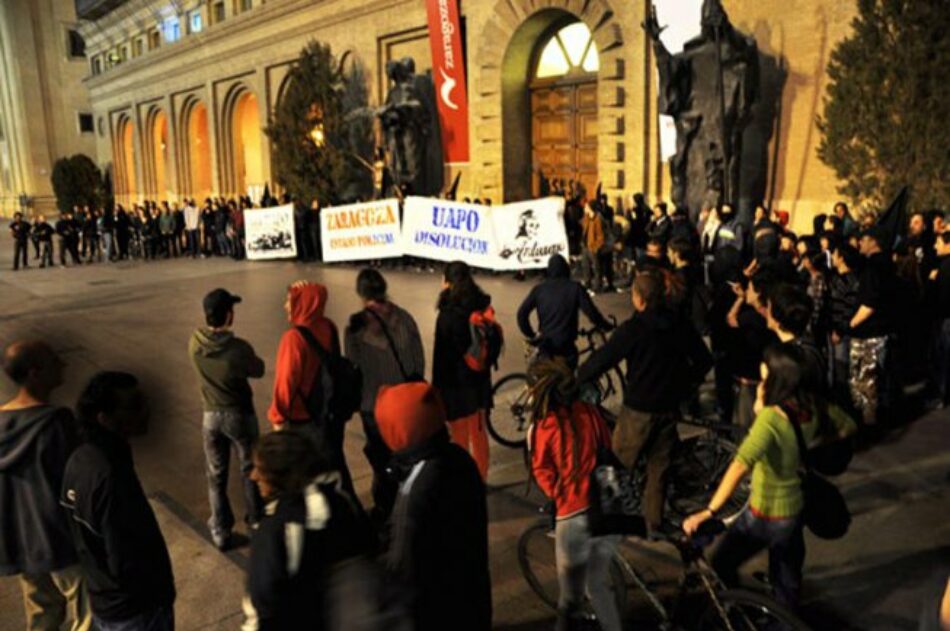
(448, 72)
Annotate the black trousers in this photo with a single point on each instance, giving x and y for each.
(19, 252)
(70, 246)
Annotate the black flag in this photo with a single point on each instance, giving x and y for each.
(893, 221)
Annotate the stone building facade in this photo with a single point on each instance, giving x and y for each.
(180, 90)
(44, 108)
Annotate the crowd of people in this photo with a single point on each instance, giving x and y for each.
(811, 339)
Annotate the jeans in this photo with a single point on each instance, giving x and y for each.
(48, 598)
(46, 254)
(583, 569)
(655, 433)
(748, 536)
(867, 368)
(221, 430)
(161, 619)
(192, 238)
(19, 252)
(107, 246)
(590, 265)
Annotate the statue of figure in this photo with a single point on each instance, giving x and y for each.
(709, 90)
(410, 128)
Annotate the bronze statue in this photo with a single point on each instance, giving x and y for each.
(411, 130)
(709, 90)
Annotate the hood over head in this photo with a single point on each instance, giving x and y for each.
(408, 414)
(307, 303)
(558, 267)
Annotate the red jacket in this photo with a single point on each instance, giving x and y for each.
(298, 366)
(564, 454)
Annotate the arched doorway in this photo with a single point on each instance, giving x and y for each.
(199, 152)
(125, 159)
(159, 143)
(563, 87)
(246, 132)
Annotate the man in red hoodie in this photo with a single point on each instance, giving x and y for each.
(298, 372)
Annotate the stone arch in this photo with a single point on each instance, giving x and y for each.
(502, 71)
(155, 150)
(241, 140)
(195, 148)
(123, 152)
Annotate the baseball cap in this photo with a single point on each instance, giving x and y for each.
(219, 302)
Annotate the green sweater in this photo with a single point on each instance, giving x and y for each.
(223, 364)
(771, 451)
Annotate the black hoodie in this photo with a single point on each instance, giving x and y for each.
(463, 390)
(557, 300)
(666, 360)
(34, 532)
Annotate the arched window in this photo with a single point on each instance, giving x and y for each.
(569, 52)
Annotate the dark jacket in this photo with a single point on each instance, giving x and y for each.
(366, 345)
(666, 359)
(463, 390)
(34, 531)
(224, 363)
(67, 229)
(557, 301)
(121, 548)
(941, 288)
(660, 229)
(843, 297)
(440, 536)
(295, 553)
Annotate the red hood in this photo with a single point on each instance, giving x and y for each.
(408, 414)
(307, 304)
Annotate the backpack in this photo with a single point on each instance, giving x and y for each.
(487, 340)
(339, 391)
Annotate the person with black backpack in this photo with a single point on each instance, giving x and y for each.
(384, 341)
(467, 343)
(316, 390)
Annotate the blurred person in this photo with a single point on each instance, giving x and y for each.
(192, 228)
(36, 439)
(121, 548)
(660, 226)
(843, 299)
(44, 238)
(439, 524)
(224, 363)
(384, 341)
(20, 231)
(68, 232)
(592, 242)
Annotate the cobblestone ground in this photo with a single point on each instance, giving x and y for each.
(138, 317)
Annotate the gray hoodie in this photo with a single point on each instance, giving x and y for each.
(224, 363)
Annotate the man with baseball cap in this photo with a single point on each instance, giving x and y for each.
(224, 363)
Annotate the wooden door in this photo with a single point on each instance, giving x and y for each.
(564, 133)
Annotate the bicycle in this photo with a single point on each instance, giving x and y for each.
(509, 418)
(725, 610)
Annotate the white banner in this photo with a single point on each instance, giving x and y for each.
(269, 233)
(361, 231)
(528, 233)
(448, 231)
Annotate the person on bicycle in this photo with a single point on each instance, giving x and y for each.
(563, 441)
(666, 360)
(558, 299)
(773, 518)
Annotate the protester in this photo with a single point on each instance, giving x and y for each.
(465, 392)
(36, 438)
(224, 363)
(123, 554)
(558, 300)
(68, 233)
(666, 360)
(44, 240)
(940, 299)
(565, 438)
(439, 525)
(660, 226)
(593, 241)
(311, 529)
(384, 341)
(20, 231)
(299, 388)
(843, 299)
(770, 451)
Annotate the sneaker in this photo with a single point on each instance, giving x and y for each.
(221, 540)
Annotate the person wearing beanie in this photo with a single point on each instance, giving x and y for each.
(439, 524)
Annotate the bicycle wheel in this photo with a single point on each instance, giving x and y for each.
(743, 610)
(509, 418)
(538, 563)
(698, 468)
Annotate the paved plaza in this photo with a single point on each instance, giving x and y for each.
(138, 317)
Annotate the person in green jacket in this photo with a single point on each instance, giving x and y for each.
(224, 363)
(770, 451)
